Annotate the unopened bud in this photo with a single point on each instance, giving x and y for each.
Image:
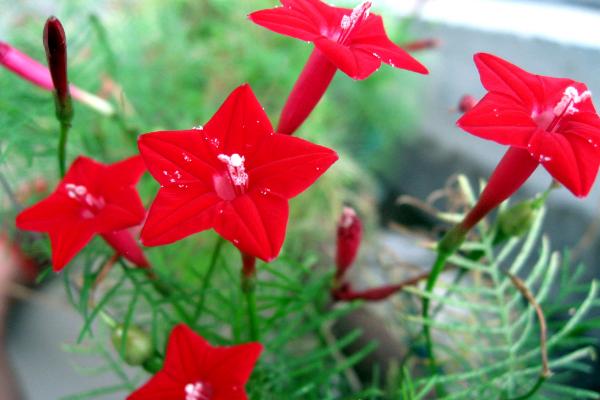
(55, 43)
(517, 220)
(349, 236)
(466, 103)
(422, 44)
(346, 293)
(137, 347)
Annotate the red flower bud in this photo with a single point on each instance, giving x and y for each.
(38, 74)
(466, 103)
(423, 44)
(55, 43)
(349, 235)
(346, 293)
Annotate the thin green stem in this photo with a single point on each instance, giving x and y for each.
(533, 390)
(206, 281)
(436, 270)
(249, 292)
(62, 147)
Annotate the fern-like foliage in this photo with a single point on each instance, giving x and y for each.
(487, 334)
(301, 360)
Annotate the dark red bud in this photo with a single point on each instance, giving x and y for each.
(423, 44)
(466, 103)
(55, 43)
(349, 236)
(346, 293)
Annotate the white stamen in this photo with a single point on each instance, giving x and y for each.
(570, 97)
(346, 22)
(81, 194)
(359, 14)
(196, 391)
(235, 167)
(361, 10)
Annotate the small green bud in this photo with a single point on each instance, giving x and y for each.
(153, 364)
(517, 220)
(138, 346)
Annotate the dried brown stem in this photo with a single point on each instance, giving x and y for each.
(524, 290)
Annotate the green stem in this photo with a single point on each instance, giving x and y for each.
(449, 244)
(62, 147)
(205, 282)
(249, 291)
(436, 270)
(533, 390)
(108, 320)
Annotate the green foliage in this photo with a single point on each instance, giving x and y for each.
(301, 360)
(486, 333)
(170, 67)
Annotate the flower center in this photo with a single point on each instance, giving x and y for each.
(198, 391)
(350, 22)
(91, 204)
(235, 182)
(566, 106)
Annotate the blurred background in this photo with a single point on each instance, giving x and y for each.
(169, 64)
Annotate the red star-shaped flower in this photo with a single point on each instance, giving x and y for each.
(91, 199)
(195, 370)
(352, 40)
(234, 175)
(544, 120)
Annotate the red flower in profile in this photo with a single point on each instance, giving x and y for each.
(234, 175)
(544, 120)
(352, 40)
(195, 370)
(91, 199)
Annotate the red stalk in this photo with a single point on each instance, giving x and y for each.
(308, 90)
(125, 244)
(248, 266)
(513, 170)
(375, 294)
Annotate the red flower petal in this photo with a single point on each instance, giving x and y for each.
(161, 386)
(571, 160)
(178, 157)
(177, 213)
(231, 368)
(55, 210)
(85, 171)
(498, 75)
(255, 223)
(68, 240)
(125, 244)
(187, 353)
(355, 62)
(288, 165)
(372, 38)
(123, 210)
(282, 21)
(221, 359)
(127, 172)
(499, 118)
(239, 125)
